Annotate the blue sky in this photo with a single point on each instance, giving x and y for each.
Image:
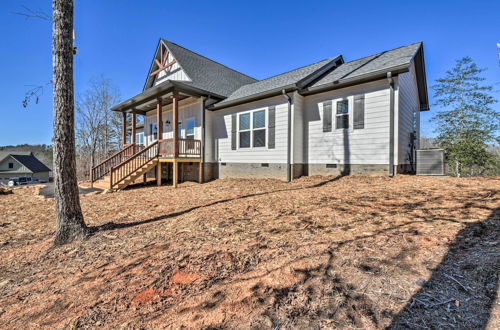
(117, 39)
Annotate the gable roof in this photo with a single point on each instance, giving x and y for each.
(279, 81)
(31, 163)
(383, 61)
(204, 73)
(397, 60)
(5, 154)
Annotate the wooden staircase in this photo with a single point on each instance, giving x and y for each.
(132, 168)
(124, 167)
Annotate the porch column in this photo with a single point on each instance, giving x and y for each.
(124, 128)
(159, 128)
(134, 120)
(175, 122)
(159, 119)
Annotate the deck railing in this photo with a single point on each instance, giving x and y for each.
(185, 147)
(100, 170)
(123, 170)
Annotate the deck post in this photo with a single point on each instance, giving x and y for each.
(134, 119)
(159, 133)
(175, 122)
(158, 174)
(124, 128)
(200, 175)
(175, 173)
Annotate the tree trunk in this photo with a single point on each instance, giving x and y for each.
(69, 217)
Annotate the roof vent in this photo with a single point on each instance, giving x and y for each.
(430, 162)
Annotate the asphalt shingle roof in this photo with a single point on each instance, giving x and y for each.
(370, 64)
(275, 82)
(31, 162)
(207, 74)
(366, 65)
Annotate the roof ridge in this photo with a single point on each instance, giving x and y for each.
(283, 73)
(385, 51)
(189, 50)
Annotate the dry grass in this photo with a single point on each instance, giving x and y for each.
(358, 252)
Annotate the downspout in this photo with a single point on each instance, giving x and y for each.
(391, 123)
(203, 138)
(289, 137)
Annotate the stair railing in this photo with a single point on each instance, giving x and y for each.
(100, 170)
(130, 165)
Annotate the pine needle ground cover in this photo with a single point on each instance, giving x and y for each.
(358, 252)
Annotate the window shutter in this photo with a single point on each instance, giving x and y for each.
(272, 127)
(233, 131)
(359, 112)
(327, 116)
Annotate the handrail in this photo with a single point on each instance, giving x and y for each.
(121, 171)
(103, 168)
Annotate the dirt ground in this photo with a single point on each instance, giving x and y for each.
(352, 252)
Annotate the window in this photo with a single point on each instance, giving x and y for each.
(342, 115)
(190, 129)
(139, 138)
(244, 128)
(252, 129)
(259, 129)
(11, 165)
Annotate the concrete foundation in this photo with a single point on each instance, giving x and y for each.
(252, 170)
(348, 169)
(278, 171)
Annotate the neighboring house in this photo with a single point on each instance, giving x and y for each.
(17, 164)
(328, 118)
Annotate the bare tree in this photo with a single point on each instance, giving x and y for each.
(69, 217)
(97, 127)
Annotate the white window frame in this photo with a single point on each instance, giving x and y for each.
(348, 114)
(252, 129)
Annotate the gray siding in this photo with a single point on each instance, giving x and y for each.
(369, 145)
(408, 107)
(221, 126)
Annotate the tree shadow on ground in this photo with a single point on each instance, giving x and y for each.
(113, 225)
(462, 289)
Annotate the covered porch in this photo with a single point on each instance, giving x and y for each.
(134, 161)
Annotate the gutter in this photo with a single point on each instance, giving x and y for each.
(289, 137)
(390, 80)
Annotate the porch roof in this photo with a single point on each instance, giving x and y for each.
(146, 101)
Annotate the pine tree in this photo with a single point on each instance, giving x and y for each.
(69, 217)
(467, 122)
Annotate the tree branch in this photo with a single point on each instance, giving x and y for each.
(30, 13)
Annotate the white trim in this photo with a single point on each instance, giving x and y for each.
(252, 129)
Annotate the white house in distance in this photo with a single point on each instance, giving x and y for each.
(331, 117)
(21, 164)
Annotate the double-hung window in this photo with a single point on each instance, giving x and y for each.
(252, 129)
(342, 114)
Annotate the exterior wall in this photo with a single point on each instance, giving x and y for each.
(408, 115)
(298, 129)
(188, 109)
(221, 126)
(18, 167)
(367, 146)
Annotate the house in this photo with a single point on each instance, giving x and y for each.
(18, 163)
(203, 120)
